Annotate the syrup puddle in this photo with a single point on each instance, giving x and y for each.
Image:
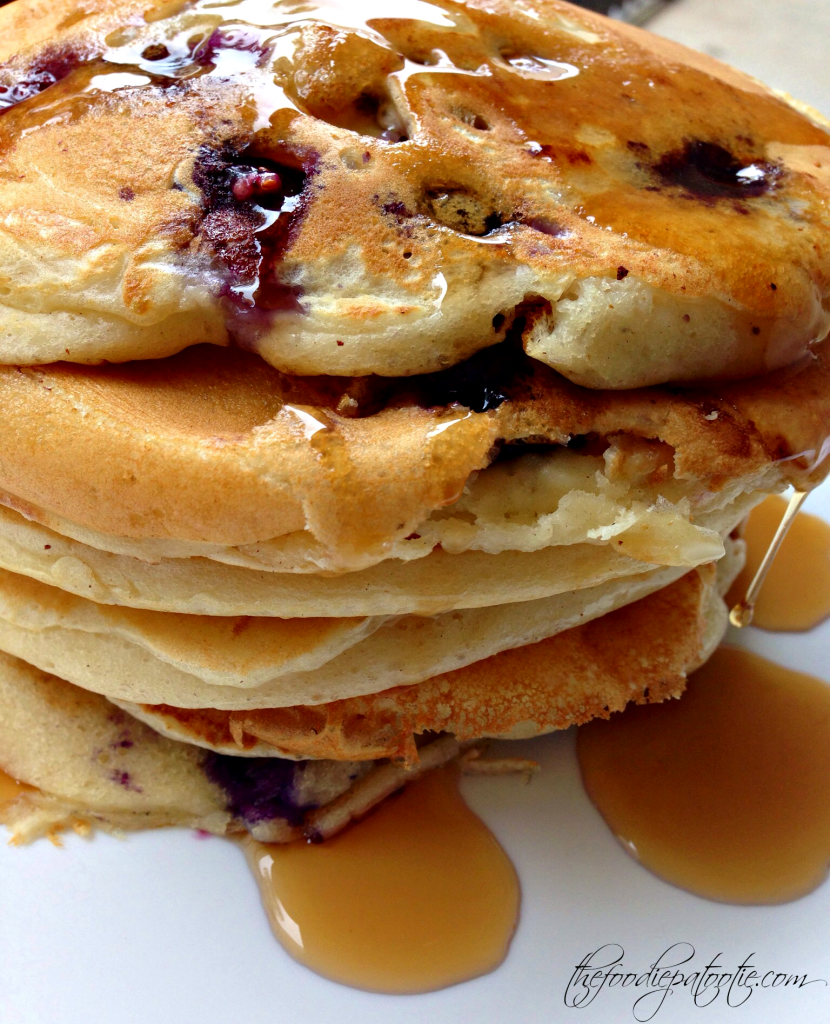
(416, 897)
(796, 596)
(725, 792)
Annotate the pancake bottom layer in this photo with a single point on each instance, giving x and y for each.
(93, 765)
(644, 648)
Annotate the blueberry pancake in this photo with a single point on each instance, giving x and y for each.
(350, 192)
(309, 770)
(375, 384)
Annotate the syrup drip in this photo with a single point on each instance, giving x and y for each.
(268, 31)
(743, 612)
(10, 788)
(797, 594)
(724, 792)
(416, 897)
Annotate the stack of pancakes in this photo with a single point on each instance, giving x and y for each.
(373, 385)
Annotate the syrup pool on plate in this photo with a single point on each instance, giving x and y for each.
(416, 897)
(725, 792)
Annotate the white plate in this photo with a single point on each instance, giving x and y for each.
(165, 927)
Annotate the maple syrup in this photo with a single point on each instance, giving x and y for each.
(796, 595)
(416, 897)
(724, 792)
(10, 788)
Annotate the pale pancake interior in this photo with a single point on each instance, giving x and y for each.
(154, 658)
(436, 583)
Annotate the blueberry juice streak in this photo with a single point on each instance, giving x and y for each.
(51, 67)
(251, 205)
(248, 203)
(250, 210)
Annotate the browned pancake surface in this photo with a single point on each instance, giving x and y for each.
(213, 445)
(641, 652)
(438, 168)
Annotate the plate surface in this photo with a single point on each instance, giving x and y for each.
(167, 928)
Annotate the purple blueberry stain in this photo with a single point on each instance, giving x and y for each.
(252, 209)
(50, 67)
(230, 225)
(234, 38)
(258, 788)
(397, 209)
(124, 779)
(707, 171)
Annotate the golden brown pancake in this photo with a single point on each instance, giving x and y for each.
(213, 448)
(94, 766)
(376, 379)
(641, 652)
(248, 662)
(353, 189)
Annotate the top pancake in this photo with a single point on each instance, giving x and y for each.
(349, 192)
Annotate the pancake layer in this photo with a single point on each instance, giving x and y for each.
(92, 765)
(641, 651)
(212, 448)
(203, 661)
(351, 189)
(427, 586)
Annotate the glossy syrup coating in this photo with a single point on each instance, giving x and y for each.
(349, 192)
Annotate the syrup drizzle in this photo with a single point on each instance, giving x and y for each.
(743, 612)
(259, 46)
(245, 40)
(724, 792)
(239, 40)
(416, 897)
(797, 591)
